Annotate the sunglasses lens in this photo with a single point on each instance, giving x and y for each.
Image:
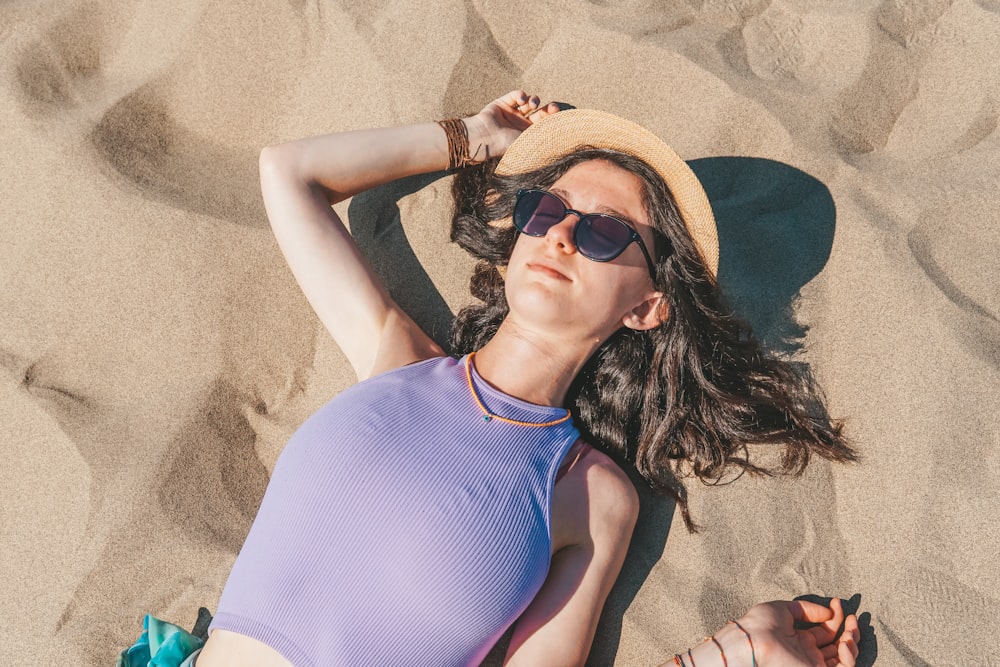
(535, 212)
(598, 237)
(602, 238)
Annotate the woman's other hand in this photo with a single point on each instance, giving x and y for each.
(777, 642)
(494, 129)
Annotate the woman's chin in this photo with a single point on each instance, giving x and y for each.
(550, 313)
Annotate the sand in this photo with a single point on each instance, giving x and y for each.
(156, 353)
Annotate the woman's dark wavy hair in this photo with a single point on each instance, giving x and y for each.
(682, 399)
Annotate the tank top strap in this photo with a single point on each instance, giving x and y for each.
(577, 451)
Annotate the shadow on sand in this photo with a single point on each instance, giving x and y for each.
(776, 226)
(376, 228)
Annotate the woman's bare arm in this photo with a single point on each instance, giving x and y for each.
(558, 627)
(301, 179)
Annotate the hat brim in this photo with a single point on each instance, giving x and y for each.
(561, 133)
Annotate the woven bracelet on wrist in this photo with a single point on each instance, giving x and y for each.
(458, 143)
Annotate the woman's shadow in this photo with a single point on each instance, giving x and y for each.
(776, 226)
(376, 227)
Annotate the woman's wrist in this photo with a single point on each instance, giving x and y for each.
(490, 132)
(479, 139)
(468, 141)
(729, 647)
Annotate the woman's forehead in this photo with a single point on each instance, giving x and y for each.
(599, 186)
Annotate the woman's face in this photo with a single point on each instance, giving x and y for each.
(549, 284)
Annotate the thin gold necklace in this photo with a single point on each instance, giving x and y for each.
(487, 416)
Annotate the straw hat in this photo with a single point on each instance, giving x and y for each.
(562, 132)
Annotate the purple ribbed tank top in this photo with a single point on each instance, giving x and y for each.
(399, 527)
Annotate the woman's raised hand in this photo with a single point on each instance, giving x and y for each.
(494, 129)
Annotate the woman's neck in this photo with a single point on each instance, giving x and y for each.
(531, 367)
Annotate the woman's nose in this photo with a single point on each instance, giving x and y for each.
(561, 234)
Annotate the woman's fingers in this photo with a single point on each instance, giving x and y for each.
(851, 625)
(847, 652)
(528, 105)
(830, 652)
(828, 620)
(501, 121)
(514, 98)
(838, 611)
(810, 612)
(846, 649)
(511, 103)
(851, 636)
(544, 111)
(520, 101)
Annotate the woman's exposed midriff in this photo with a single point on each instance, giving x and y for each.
(231, 649)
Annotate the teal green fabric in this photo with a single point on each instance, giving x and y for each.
(161, 644)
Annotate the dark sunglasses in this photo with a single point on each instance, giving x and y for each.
(596, 236)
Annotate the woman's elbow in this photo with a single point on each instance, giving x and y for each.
(274, 159)
(287, 165)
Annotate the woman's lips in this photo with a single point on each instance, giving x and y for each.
(547, 270)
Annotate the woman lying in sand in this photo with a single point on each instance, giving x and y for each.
(420, 513)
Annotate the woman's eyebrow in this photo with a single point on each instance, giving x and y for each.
(562, 194)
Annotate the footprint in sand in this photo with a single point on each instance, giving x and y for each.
(213, 489)
(481, 58)
(866, 112)
(60, 71)
(959, 258)
(137, 142)
(820, 50)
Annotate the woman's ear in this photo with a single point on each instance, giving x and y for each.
(649, 314)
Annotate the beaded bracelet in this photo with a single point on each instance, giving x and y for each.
(725, 663)
(677, 660)
(753, 656)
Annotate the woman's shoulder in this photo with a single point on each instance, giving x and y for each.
(611, 492)
(596, 482)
